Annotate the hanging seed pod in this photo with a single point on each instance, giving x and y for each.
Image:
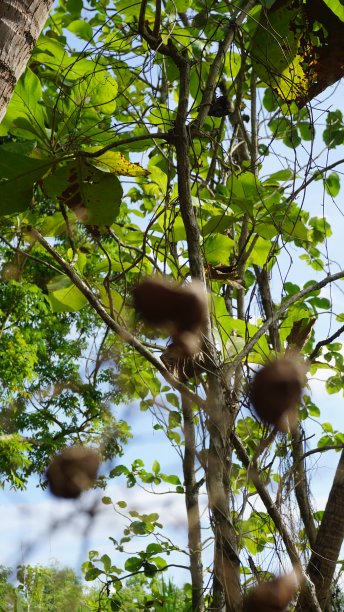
(272, 596)
(276, 392)
(73, 471)
(181, 311)
(180, 365)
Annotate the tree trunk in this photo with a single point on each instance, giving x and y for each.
(192, 508)
(322, 564)
(21, 22)
(301, 487)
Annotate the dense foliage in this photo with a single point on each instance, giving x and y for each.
(178, 139)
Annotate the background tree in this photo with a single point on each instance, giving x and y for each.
(200, 93)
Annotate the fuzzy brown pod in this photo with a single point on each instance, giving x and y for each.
(276, 392)
(73, 471)
(272, 596)
(182, 366)
(180, 311)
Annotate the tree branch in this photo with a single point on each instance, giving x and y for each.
(322, 343)
(279, 311)
(120, 143)
(216, 66)
(113, 325)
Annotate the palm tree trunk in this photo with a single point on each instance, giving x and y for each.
(21, 22)
(322, 564)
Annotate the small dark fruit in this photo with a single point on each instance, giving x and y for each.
(276, 392)
(272, 596)
(73, 471)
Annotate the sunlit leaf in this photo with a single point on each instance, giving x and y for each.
(116, 163)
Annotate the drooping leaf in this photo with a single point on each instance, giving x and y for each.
(218, 249)
(18, 175)
(64, 296)
(93, 195)
(116, 163)
(332, 184)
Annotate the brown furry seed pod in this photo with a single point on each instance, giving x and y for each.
(181, 311)
(72, 471)
(180, 365)
(272, 596)
(276, 392)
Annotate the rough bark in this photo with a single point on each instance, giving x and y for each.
(322, 564)
(21, 22)
(221, 421)
(301, 487)
(192, 507)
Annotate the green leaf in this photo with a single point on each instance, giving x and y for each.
(92, 574)
(25, 114)
(106, 561)
(64, 296)
(81, 28)
(156, 467)
(153, 549)
(218, 249)
(94, 196)
(172, 479)
(337, 7)
(217, 224)
(133, 564)
(18, 175)
(159, 562)
(107, 500)
(281, 175)
(245, 190)
(332, 184)
(260, 252)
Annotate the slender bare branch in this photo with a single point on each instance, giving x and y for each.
(322, 343)
(279, 311)
(217, 63)
(271, 508)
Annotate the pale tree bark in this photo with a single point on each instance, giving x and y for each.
(322, 564)
(21, 22)
(192, 507)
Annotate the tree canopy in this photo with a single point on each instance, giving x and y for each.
(179, 142)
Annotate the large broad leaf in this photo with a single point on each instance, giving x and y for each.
(93, 195)
(298, 47)
(64, 295)
(18, 174)
(218, 249)
(245, 190)
(275, 53)
(116, 163)
(95, 89)
(337, 7)
(25, 114)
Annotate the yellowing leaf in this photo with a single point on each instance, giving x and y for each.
(116, 163)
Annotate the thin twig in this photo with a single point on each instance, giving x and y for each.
(322, 343)
(279, 311)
